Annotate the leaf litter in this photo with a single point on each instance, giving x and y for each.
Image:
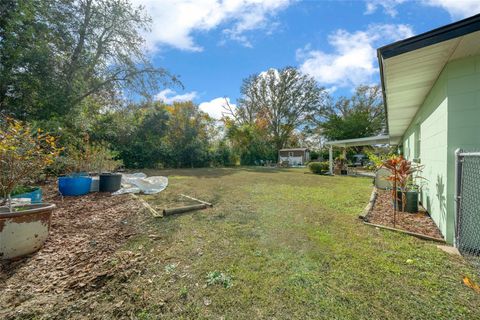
(79, 257)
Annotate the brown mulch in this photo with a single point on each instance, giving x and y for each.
(420, 222)
(84, 235)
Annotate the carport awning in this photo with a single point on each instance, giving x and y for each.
(368, 141)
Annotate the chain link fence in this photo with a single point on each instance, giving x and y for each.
(467, 236)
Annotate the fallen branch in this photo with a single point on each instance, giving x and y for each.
(171, 211)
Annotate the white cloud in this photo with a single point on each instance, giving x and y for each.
(175, 21)
(169, 96)
(353, 60)
(215, 107)
(389, 7)
(457, 9)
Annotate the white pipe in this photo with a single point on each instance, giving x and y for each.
(330, 159)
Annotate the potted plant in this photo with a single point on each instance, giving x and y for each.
(341, 165)
(24, 154)
(76, 182)
(104, 164)
(34, 194)
(403, 175)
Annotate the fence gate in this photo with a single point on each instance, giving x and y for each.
(467, 222)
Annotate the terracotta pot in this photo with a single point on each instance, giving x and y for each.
(25, 230)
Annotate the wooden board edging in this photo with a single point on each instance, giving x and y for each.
(418, 235)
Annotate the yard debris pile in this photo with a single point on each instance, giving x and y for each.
(85, 233)
(382, 214)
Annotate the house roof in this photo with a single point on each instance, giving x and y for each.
(294, 149)
(368, 141)
(409, 68)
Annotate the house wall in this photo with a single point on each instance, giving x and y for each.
(426, 141)
(448, 119)
(464, 117)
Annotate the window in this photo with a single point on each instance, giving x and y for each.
(290, 153)
(418, 139)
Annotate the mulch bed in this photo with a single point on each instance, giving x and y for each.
(382, 214)
(85, 233)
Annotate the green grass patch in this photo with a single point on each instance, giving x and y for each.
(281, 244)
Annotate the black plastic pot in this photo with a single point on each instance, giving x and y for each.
(411, 204)
(110, 182)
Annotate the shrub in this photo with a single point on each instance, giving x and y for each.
(377, 160)
(88, 157)
(319, 167)
(24, 154)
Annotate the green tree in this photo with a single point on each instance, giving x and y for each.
(281, 100)
(359, 116)
(54, 54)
(187, 138)
(250, 142)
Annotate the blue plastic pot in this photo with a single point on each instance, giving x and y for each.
(74, 185)
(35, 196)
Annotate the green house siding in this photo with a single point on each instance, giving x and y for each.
(448, 119)
(426, 142)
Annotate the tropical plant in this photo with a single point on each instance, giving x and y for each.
(24, 154)
(340, 163)
(403, 173)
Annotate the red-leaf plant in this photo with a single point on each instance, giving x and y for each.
(402, 174)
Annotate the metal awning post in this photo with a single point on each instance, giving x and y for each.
(330, 159)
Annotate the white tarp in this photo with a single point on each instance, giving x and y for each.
(139, 182)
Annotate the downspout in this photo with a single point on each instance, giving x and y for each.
(330, 159)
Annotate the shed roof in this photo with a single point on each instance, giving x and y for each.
(409, 68)
(294, 149)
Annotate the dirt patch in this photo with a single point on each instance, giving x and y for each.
(77, 257)
(420, 222)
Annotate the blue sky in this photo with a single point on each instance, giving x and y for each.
(212, 45)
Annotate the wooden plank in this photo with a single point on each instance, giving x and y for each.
(371, 203)
(418, 235)
(147, 206)
(195, 199)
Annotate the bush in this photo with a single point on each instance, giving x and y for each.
(319, 167)
(24, 154)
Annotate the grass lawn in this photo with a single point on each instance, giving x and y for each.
(289, 246)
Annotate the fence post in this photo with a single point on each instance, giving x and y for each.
(458, 193)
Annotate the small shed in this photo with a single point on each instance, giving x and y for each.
(294, 156)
